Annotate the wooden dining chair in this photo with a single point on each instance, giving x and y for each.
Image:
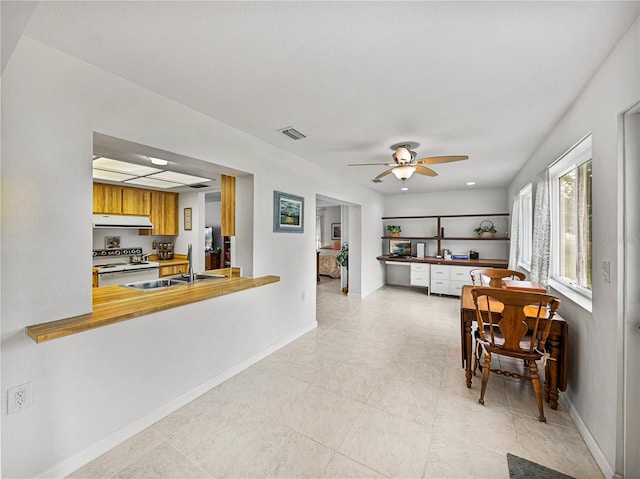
(515, 324)
(493, 276)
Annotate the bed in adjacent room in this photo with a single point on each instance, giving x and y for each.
(327, 264)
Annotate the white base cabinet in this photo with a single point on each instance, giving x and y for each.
(420, 274)
(449, 280)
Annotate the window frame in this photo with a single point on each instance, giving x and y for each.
(576, 156)
(525, 227)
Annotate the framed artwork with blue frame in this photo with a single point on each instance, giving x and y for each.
(288, 213)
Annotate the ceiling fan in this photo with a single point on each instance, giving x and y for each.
(405, 164)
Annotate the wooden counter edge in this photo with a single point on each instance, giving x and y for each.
(142, 305)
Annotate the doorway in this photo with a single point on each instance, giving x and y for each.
(629, 280)
(337, 227)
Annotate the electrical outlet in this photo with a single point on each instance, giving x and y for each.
(18, 398)
(606, 271)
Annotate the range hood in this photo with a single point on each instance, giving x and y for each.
(122, 221)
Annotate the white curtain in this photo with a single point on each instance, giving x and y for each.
(318, 231)
(541, 231)
(514, 235)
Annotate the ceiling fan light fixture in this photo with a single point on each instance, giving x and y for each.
(403, 172)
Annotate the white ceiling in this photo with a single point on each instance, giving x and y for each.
(484, 79)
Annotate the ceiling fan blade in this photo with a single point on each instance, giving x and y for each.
(433, 160)
(423, 170)
(383, 174)
(371, 164)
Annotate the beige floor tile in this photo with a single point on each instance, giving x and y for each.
(410, 400)
(341, 467)
(163, 462)
(349, 380)
(557, 447)
(120, 456)
(377, 390)
(390, 444)
(323, 416)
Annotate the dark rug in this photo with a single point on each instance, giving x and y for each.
(520, 468)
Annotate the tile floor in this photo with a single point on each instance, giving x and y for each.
(377, 390)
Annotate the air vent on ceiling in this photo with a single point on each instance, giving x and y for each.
(377, 181)
(197, 186)
(292, 133)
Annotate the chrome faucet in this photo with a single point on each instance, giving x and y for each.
(190, 276)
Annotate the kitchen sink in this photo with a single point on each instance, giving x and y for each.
(153, 284)
(197, 277)
(170, 282)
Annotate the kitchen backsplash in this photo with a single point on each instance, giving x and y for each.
(128, 239)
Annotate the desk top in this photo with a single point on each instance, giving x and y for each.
(479, 263)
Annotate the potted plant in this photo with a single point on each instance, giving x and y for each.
(394, 230)
(486, 229)
(343, 260)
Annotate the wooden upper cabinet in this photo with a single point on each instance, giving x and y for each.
(228, 205)
(120, 200)
(107, 199)
(136, 202)
(164, 214)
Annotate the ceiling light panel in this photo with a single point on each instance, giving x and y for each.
(178, 178)
(110, 175)
(103, 163)
(146, 181)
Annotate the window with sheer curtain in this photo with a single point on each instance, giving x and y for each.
(525, 227)
(571, 209)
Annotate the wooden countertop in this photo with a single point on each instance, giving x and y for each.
(480, 263)
(112, 304)
(178, 259)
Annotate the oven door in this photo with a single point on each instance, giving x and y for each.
(131, 276)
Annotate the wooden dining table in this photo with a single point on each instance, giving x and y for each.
(555, 378)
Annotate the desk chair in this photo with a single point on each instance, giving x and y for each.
(493, 276)
(514, 324)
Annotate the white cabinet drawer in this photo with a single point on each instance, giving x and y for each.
(419, 279)
(420, 267)
(440, 271)
(439, 286)
(460, 273)
(455, 287)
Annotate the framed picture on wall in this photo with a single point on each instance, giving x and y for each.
(187, 218)
(288, 213)
(336, 231)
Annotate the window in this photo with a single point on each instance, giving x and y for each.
(571, 221)
(525, 227)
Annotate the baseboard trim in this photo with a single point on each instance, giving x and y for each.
(66, 467)
(607, 469)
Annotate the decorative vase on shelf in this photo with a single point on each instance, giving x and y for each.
(394, 235)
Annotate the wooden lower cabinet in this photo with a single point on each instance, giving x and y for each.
(173, 269)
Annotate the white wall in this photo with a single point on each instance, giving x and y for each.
(94, 388)
(592, 389)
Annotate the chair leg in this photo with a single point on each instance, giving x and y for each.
(535, 382)
(486, 370)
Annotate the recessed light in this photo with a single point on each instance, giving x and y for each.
(471, 183)
(404, 188)
(158, 161)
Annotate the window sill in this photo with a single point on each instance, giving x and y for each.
(572, 295)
